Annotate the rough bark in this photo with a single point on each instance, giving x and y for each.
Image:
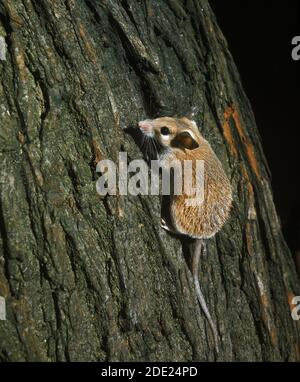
(88, 278)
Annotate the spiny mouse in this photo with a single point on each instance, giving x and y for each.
(180, 139)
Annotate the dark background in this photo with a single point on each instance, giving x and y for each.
(259, 35)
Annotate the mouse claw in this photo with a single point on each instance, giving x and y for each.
(163, 225)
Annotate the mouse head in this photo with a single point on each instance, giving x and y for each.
(179, 133)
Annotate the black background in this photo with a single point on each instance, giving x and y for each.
(259, 35)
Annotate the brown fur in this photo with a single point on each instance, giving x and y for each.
(204, 220)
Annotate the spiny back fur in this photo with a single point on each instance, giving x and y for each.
(206, 219)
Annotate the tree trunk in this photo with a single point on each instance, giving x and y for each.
(87, 278)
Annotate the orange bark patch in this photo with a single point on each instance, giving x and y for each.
(274, 337)
(227, 132)
(14, 17)
(249, 184)
(20, 61)
(251, 200)
(91, 52)
(249, 239)
(264, 300)
(21, 137)
(266, 320)
(290, 297)
(81, 31)
(98, 156)
(231, 112)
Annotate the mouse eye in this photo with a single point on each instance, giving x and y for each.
(165, 130)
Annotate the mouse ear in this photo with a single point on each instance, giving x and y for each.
(184, 140)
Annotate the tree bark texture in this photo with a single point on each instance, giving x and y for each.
(87, 278)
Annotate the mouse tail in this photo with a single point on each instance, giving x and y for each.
(200, 246)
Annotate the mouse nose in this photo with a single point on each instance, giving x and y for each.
(146, 126)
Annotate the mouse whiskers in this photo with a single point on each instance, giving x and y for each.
(154, 151)
(150, 148)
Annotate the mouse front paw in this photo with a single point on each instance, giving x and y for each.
(163, 225)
